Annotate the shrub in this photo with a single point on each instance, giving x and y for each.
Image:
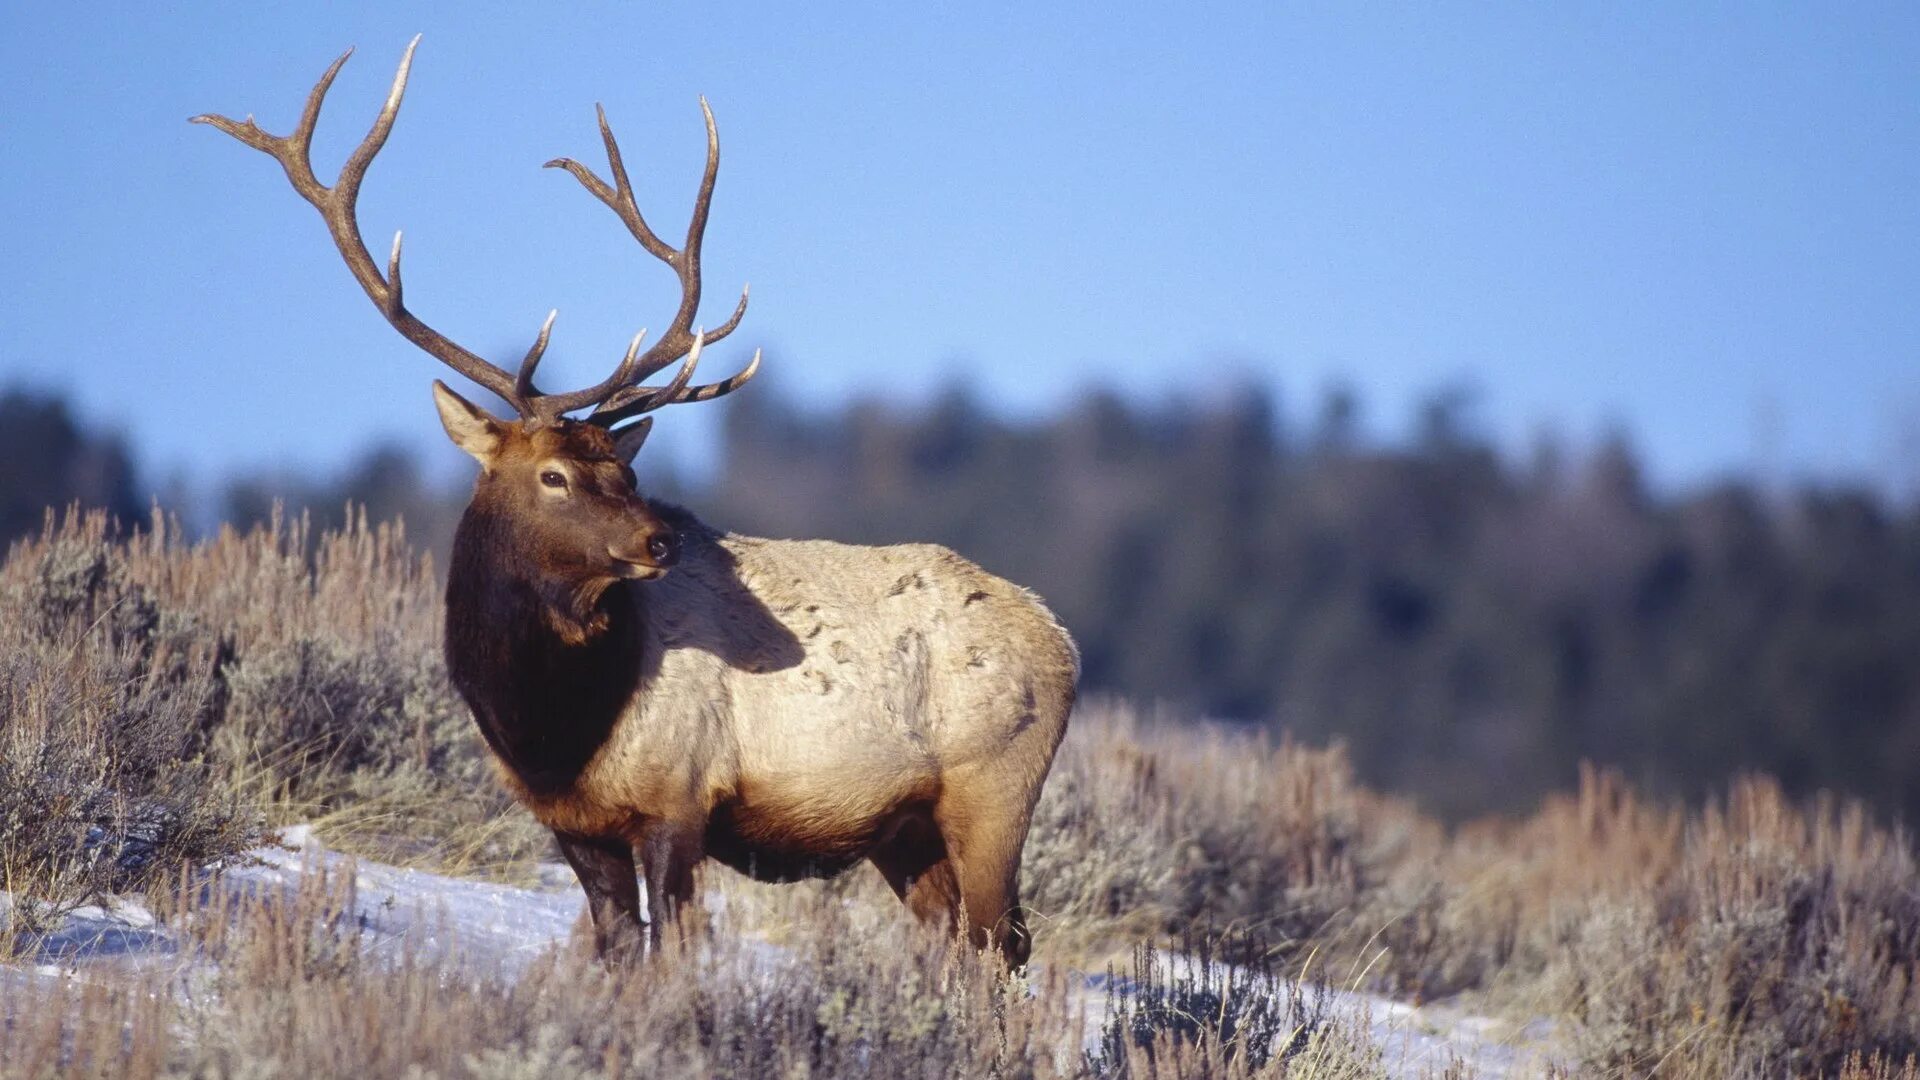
(1783, 943)
(161, 702)
(1148, 825)
(106, 696)
(1189, 1007)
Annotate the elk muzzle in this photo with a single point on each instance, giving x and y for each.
(653, 552)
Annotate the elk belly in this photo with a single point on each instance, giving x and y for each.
(787, 834)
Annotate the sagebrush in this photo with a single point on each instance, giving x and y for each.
(165, 704)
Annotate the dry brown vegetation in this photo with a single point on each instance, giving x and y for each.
(859, 994)
(164, 704)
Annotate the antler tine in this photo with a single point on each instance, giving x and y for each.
(639, 399)
(337, 209)
(719, 389)
(676, 341)
(290, 150)
(394, 288)
(523, 382)
(643, 399)
(302, 136)
(347, 187)
(554, 406)
(702, 203)
(733, 321)
(685, 374)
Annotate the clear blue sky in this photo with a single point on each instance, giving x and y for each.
(1700, 223)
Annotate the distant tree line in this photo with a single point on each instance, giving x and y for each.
(1473, 626)
(48, 460)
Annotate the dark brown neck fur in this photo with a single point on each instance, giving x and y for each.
(547, 666)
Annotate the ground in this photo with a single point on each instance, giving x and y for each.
(503, 930)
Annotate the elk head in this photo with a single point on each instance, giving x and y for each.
(557, 491)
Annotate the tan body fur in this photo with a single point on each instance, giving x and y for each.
(825, 695)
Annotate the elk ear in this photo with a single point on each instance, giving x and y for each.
(470, 427)
(626, 441)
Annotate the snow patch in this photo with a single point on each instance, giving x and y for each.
(504, 928)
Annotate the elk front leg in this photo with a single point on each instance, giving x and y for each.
(605, 868)
(670, 851)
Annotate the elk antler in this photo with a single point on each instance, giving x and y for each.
(616, 397)
(680, 339)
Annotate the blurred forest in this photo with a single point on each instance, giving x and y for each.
(47, 459)
(1472, 626)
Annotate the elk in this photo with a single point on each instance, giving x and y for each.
(657, 691)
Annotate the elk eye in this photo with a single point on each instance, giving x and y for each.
(553, 478)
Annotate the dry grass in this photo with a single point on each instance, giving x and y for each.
(1752, 937)
(1775, 941)
(285, 990)
(163, 703)
(1149, 826)
(106, 694)
(296, 676)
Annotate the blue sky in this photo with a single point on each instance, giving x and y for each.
(1699, 223)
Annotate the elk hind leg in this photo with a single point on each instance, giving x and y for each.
(984, 836)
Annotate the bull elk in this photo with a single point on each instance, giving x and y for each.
(657, 690)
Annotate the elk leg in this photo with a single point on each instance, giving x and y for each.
(984, 839)
(670, 851)
(605, 868)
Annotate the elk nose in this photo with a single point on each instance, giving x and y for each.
(663, 548)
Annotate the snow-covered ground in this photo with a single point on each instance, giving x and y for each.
(507, 926)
